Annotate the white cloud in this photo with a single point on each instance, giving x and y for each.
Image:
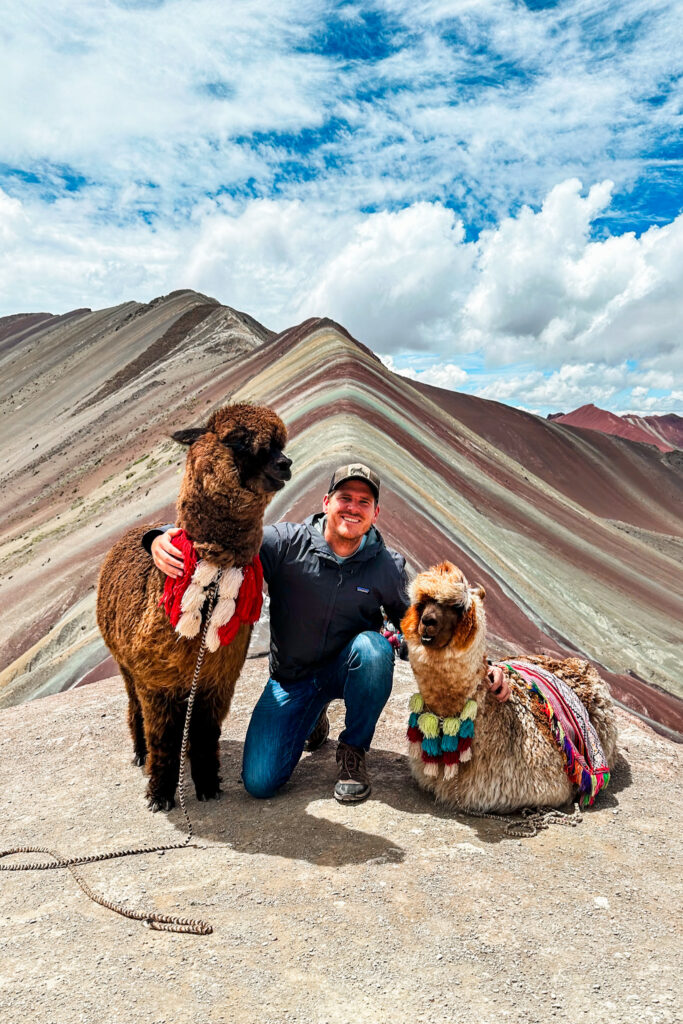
(486, 103)
(216, 146)
(593, 318)
(545, 291)
(442, 375)
(393, 280)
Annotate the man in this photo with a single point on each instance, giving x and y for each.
(328, 579)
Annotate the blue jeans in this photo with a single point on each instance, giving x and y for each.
(286, 713)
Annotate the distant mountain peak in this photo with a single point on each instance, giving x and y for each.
(665, 432)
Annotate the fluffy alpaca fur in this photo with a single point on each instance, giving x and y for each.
(515, 762)
(234, 466)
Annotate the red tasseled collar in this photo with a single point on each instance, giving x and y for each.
(247, 606)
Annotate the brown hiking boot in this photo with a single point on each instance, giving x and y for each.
(319, 732)
(353, 783)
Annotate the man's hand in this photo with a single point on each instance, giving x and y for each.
(165, 555)
(498, 683)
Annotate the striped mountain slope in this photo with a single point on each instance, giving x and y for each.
(576, 535)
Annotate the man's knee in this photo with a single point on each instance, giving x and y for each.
(373, 650)
(257, 784)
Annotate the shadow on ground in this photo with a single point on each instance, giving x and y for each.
(288, 826)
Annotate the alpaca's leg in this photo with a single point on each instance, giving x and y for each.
(205, 731)
(164, 718)
(135, 723)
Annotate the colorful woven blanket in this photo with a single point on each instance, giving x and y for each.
(571, 727)
(240, 596)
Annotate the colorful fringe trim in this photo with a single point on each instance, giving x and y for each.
(240, 596)
(440, 741)
(571, 728)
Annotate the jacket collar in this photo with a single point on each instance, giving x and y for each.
(372, 545)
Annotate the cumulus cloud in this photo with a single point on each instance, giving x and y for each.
(545, 290)
(590, 318)
(413, 171)
(395, 280)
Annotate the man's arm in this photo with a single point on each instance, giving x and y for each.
(168, 559)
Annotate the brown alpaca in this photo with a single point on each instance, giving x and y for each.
(514, 760)
(234, 466)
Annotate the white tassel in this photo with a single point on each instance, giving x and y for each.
(431, 768)
(466, 754)
(193, 599)
(212, 639)
(450, 771)
(188, 624)
(223, 612)
(415, 750)
(230, 584)
(204, 574)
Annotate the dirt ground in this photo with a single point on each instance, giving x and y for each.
(394, 910)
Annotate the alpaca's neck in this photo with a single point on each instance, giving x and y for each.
(225, 529)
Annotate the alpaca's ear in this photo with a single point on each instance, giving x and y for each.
(478, 591)
(188, 436)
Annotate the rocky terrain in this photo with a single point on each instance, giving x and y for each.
(576, 535)
(395, 910)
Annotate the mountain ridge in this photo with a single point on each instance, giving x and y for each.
(565, 533)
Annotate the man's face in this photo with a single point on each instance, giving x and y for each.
(350, 510)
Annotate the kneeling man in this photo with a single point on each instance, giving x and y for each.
(329, 579)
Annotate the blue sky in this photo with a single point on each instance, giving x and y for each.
(487, 193)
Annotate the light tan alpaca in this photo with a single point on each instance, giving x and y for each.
(513, 761)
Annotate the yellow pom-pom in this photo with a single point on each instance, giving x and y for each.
(451, 726)
(470, 710)
(428, 724)
(416, 703)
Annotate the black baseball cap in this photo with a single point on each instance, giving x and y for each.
(355, 471)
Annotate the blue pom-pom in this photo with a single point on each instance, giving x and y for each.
(467, 729)
(412, 721)
(431, 746)
(449, 743)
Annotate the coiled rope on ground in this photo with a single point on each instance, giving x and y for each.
(151, 918)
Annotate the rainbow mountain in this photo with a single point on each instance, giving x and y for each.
(576, 535)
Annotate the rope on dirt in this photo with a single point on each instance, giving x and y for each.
(532, 819)
(152, 919)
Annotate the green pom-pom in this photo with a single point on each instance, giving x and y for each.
(417, 703)
(428, 724)
(470, 710)
(451, 726)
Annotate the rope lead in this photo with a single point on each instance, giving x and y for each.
(150, 919)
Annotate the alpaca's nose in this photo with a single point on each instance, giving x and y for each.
(429, 621)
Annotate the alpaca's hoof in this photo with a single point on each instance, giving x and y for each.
(139, 760)
(209, 794)
(160, 804)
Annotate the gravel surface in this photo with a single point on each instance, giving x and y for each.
(390, 911)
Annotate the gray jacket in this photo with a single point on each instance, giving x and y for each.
(318, 604)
